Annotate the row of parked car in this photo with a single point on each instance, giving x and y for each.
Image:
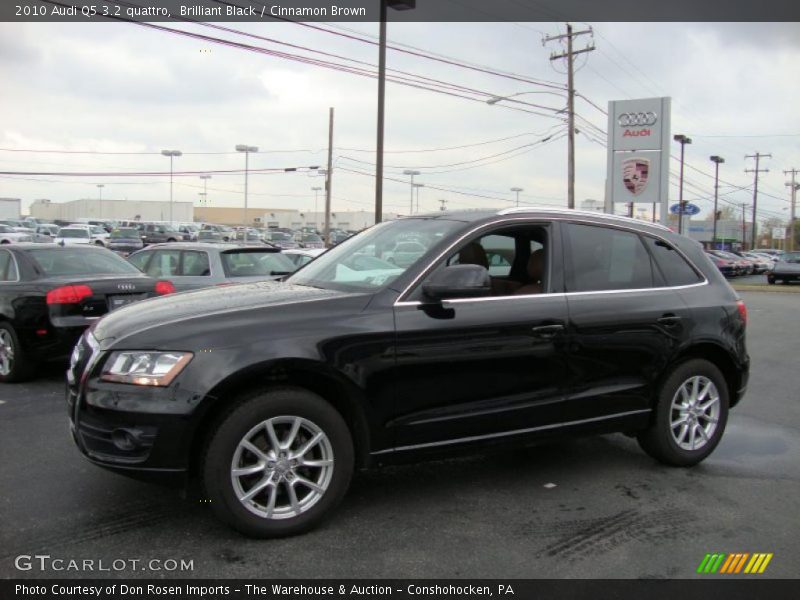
(737, 263)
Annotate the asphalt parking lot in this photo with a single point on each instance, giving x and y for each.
(595, 507)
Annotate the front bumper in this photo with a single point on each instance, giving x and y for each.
(143, 432)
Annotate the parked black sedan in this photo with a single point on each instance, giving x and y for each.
(50, 294)
(786, 269)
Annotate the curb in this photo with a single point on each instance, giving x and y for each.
(769, 289)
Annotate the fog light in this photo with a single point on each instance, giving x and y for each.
(125, 439)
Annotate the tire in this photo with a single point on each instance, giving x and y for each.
(285, 409)
(171, 240)
(15, 365)
(669, 445)
(770, 280)
(99, 243)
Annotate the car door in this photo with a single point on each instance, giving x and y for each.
(473, 369)
(624, 322)
(165, 264)
(195, 270)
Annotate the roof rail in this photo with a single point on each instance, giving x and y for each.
(572, 211)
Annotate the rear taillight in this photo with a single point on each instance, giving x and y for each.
(164, 287)
(742, 310)
(68, 294)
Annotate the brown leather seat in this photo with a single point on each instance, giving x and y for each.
(535, 272)
(473, 254)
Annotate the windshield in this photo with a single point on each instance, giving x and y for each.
(74, 261)
(279, 236)
(791, 257)
(73, 233)
(246, 263)
(352, 266)
(311, 237)
(125, 233)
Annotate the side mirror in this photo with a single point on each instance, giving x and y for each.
(458, 281)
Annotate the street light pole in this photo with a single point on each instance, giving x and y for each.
(205, 179)
(100, 200)
(418, 185)
(517, 190)
(171, 154)
(247, 150)
(396, 5)
(411, 172)
(682, 140)
(717, 160)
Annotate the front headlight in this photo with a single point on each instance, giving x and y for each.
(145, 368)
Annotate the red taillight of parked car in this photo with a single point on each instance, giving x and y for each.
(164, 287)
(742, 310)
(68, 294)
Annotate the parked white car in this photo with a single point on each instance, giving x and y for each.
(78, 234)
(96, 231)
(9, 235)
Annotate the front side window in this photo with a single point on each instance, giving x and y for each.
(516, 259)
(604, 258)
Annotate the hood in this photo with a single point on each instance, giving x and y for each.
(204, 304)
(786, 267)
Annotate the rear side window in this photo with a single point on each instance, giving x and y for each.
(607, 259)
(139, 260)
(164, 264)
(8, 266)
(195, 264)
(250, 264)
(673, 266)
(68, 261)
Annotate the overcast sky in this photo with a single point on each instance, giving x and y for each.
(127, 88)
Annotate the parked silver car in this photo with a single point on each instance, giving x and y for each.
(190, 265)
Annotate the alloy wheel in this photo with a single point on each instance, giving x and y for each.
(6, 352)
(694, 413)
(282, 467)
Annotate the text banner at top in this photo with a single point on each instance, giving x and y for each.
(455, 11)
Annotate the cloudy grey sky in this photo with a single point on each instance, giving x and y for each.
(126, 88)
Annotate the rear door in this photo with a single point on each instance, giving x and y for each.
(624, 322)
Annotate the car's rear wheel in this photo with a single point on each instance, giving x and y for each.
(278, 463)
(690, 416)
(770, 280)
(14, 362)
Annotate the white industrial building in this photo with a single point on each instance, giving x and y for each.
(10, 208)
(93, 208)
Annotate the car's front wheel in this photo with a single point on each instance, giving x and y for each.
(278, 463)
(690, 415)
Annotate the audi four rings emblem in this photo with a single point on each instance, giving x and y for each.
(126, 286)
(637, 119)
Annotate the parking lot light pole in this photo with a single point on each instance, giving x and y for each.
(100, 200)
(411, 173)
(171, 154)
(717, 160)
(417, 186)
(205, 179)
(517, 190)
(682, 140)
(247, 150)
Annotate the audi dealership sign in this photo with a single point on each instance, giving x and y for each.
(638, 152)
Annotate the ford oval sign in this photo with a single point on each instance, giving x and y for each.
(688, 209)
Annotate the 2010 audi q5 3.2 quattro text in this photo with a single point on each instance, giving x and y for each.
(508, 327)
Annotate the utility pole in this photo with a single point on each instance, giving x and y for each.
(743, 205)
(517, 190)
(717, 160)
(758, 156)
(794, 187)
(411, 173)
(329, 180)
(443, 204)
(569, 55)
(682, 140)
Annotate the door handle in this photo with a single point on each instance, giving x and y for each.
(547, 331)
(669, 320)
